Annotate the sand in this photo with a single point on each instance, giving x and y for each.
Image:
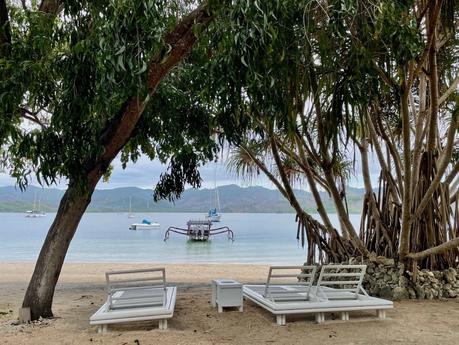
(81, 291)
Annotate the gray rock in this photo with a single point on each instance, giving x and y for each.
(450, 275)
(403, 281)
(420, 292)
(412, 293)
(386, 292)
(450, 293)
(429, 293)
(400, 293)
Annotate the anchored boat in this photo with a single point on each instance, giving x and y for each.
(145, 225)
(199, 230)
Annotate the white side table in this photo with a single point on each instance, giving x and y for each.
(226, 293)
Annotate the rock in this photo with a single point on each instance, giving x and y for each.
(386, 292)
(420, 293)
(412, 293)
(450, 275)
(429, 293)
(403, 281)
(450, 293)
(400, 293)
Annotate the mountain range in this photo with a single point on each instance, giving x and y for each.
(233, 198)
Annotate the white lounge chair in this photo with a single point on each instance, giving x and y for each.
(136, 295)
(286, 288)
(346, 295)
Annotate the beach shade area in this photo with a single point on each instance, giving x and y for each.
(293, 161)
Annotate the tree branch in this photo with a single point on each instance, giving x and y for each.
(444, 161)
(452, 88)
(5, 34)
(119, 130)
(52, 7)
(453, 244)
(27, 114)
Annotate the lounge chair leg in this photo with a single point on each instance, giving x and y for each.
(320, 317)
(241, 308)
(381, 314)
(280, 319)
(220, 309)
(102, 329)
(214, 295)
(345, 316)
(163, 324)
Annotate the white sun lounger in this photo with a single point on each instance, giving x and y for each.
(346, 295)
(136, 295)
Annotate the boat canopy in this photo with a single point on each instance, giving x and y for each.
(146, 221)
(213, 212)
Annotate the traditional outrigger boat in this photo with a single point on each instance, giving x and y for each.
(199, 230)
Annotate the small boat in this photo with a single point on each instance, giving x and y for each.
(213, 215)
(144, 225)
(199, 230)
(35, 212)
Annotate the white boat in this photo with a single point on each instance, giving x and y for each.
(144, 225)
(35, 213)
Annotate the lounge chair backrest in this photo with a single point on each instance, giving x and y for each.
(345, 278)
(298, 279)
(136, 288)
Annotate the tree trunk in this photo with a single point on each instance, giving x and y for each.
(40, 292)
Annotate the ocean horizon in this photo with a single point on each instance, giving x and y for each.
(260, 238)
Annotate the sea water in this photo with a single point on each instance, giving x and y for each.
(105, 237)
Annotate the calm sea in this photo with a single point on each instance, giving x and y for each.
(105, 237)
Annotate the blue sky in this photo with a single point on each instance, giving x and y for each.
(145, 173)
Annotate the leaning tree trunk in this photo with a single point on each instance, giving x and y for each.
(40, 292)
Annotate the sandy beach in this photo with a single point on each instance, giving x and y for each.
(81, 291)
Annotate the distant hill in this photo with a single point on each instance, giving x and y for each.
(232, 199)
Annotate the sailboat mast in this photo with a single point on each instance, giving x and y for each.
(34, 200)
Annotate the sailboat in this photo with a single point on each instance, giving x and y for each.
(130, 215)
(35, 212)
(214, 215)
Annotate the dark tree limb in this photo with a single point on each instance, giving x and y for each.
(5, 34)
(52, 7)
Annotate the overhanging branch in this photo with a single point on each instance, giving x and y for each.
(442, 248)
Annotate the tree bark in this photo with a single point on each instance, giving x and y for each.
(442, 248)
(40, 292)
(5, 35)
(406, 204)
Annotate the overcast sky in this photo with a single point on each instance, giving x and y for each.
(145, 173)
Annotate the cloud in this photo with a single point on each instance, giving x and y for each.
(145, 174)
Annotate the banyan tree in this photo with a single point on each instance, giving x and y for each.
(330, 87)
